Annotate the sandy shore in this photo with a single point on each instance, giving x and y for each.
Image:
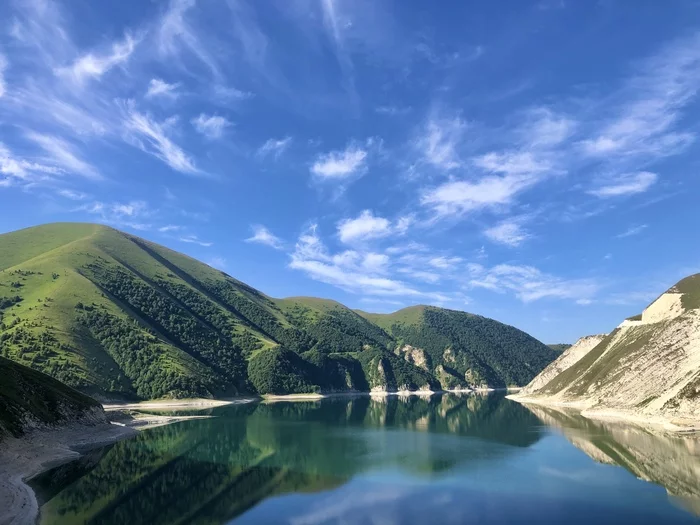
(22, 459)
(169, 404)
(667, 423)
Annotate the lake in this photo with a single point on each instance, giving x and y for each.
(447, 459)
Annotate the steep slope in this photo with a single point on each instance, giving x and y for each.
(648, 367)
(568, 358)
(463, 349)
(30, 400)
(117, 316)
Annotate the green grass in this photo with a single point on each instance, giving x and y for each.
(118, 316)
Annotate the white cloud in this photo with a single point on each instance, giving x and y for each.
(64, 155)
(340, 164)
(193, 239)
(211, 126)
(627, 184)
(530, 284)
(3, 67)
(74, 195)
(632, 230)
(94, 66)
(364, 227)
(508, 232)
(274, 147)
(514, 163)
(459, 197)
(440, 141)
(444, 263)
(348, 270)
(169, 228)
(544, 128)
(160, 88)
(142, 126)
(262, 235)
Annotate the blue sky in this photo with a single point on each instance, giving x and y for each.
(535, 162)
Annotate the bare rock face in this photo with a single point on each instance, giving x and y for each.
(415, 356)
(647, 368)
(568, 358)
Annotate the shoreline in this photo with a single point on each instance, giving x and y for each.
(676, 425)
(22, 459)
(168, 404)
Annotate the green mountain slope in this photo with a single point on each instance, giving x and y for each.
(115, 315)
(30, 399)
(465, 349)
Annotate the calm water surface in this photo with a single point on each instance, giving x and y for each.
(447, 460)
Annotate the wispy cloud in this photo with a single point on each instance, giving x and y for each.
(218, 262)
(274, 147)
(509, 232)
(530, 284)
(3, 67)
(169, 228)
(632, 230)
(123, 214)
(440, 140)
(64, 155)
(74, 195)
(19, 170)
(211, 126)
(261, 235)
(94, 66)
(160, 88)
(342, 164)
(175, 33)
(655, 97)
(193, 239)
(627, 184)
(151, 137)
(393, 111)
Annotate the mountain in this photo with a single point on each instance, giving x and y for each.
(648, 367)
(30, 399)
(568, 358)
(560, 347)
(117, 316)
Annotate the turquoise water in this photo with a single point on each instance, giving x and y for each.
(447, 459)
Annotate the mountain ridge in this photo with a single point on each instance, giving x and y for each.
(118, 316)
(647, 369)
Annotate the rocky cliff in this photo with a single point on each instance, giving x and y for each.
(567, 359)
(648, 368)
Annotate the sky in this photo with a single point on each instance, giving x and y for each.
(534, 162)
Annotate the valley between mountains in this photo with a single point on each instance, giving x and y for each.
(119, 317)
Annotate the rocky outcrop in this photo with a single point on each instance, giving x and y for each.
(413, 355)
(567, 359)
(647, 369)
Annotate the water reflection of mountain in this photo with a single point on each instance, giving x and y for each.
(209, 471)
(672, 461)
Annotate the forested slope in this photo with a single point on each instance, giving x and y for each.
(117, 316)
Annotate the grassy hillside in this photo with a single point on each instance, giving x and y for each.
(560, 347)
(114, 315)
(31, 399)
